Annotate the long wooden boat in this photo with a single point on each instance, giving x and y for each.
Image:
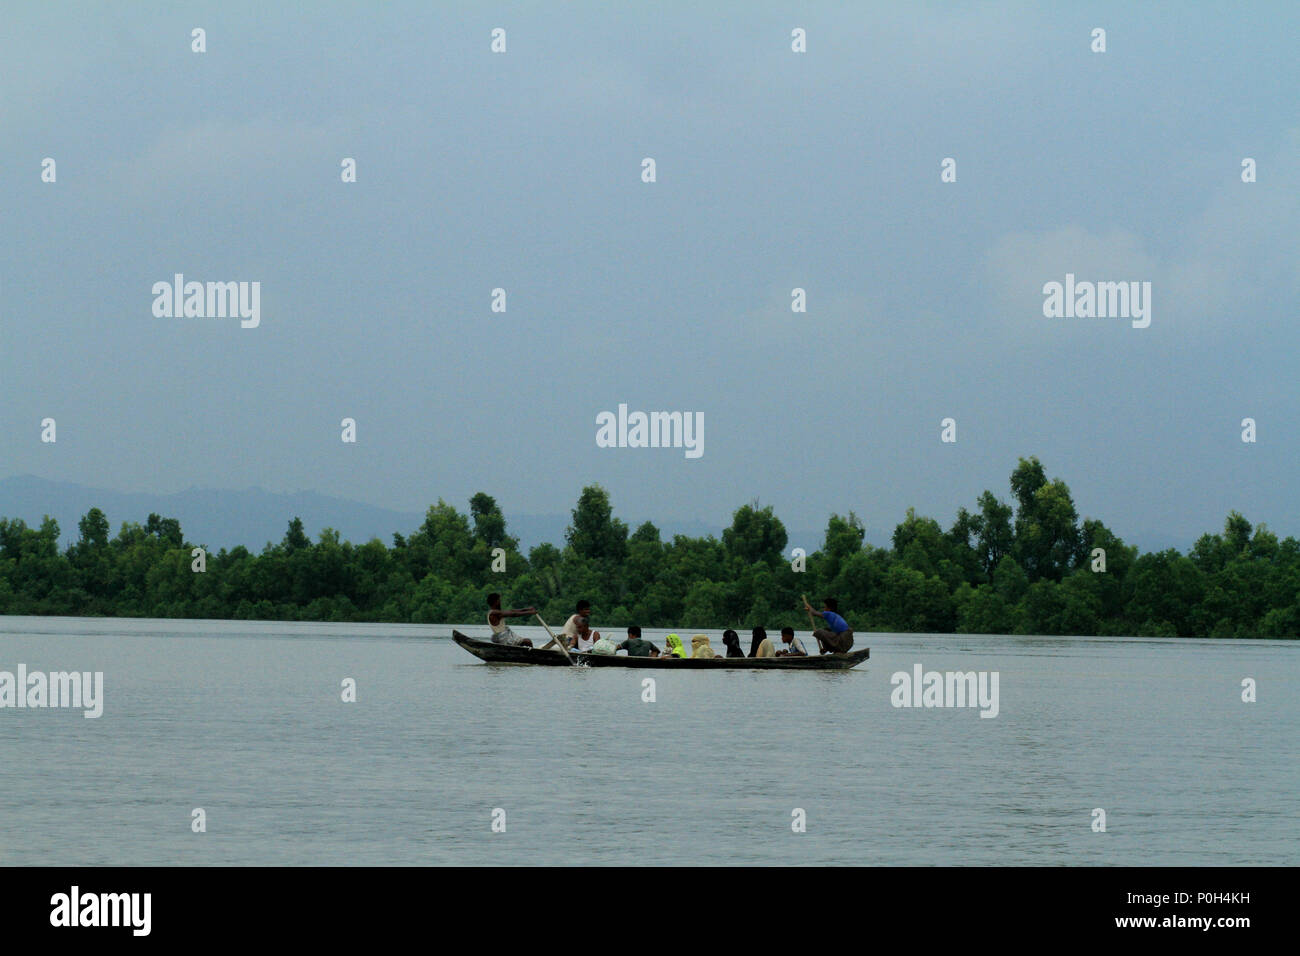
(510, 654)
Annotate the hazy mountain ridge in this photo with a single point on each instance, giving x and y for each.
(224, 518)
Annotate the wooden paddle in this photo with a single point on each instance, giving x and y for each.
(558, 643)
(812, 623)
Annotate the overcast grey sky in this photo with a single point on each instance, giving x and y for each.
(775, 170)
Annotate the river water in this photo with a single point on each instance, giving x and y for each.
(246, 721)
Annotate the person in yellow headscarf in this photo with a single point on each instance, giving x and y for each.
(700, 647)
(674, 646)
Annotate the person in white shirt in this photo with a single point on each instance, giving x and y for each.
(586, 638)
(570, 632)
(793, 646)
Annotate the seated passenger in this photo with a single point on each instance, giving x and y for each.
(761, 646)
(674, 647)
(732, 640)
(701, 649)
(793, 648)
(585, 638)
(571, 625)
(636, 647)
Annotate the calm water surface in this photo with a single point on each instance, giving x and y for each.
(246, 721)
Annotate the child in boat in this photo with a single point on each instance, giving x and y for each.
(501, 633)
(793, 647)
(701, 649)
(674, 647)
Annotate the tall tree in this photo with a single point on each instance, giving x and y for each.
(167, 529)
(1236, 531)
(1027, 478)
(595, 533)
(756, 534)
(994, 537)
(1047, 534)
(490, 523)
(295, 539)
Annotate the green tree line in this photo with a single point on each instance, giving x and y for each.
(1024, 566)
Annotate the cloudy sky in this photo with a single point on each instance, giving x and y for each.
(775, 170)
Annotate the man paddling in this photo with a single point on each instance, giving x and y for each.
(836, 637)
(570, 633)
(501, 633)
(581, 614)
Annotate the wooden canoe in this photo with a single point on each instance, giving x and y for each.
(510, 654)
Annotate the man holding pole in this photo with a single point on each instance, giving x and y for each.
(501, 633)
(570, 633)
(836, 637)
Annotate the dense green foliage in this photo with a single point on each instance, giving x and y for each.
(1023, 567)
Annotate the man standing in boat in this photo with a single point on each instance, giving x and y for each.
(836, 637)
(501, 633)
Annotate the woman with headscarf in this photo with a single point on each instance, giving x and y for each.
(732, 640)
(700, 647)
(673, 646)
(761, 647)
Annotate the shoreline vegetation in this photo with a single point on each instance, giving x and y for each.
(1030, 566)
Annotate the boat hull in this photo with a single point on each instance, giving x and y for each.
(509, 654)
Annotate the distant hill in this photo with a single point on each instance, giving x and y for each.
(219, 518)
(212, 517)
